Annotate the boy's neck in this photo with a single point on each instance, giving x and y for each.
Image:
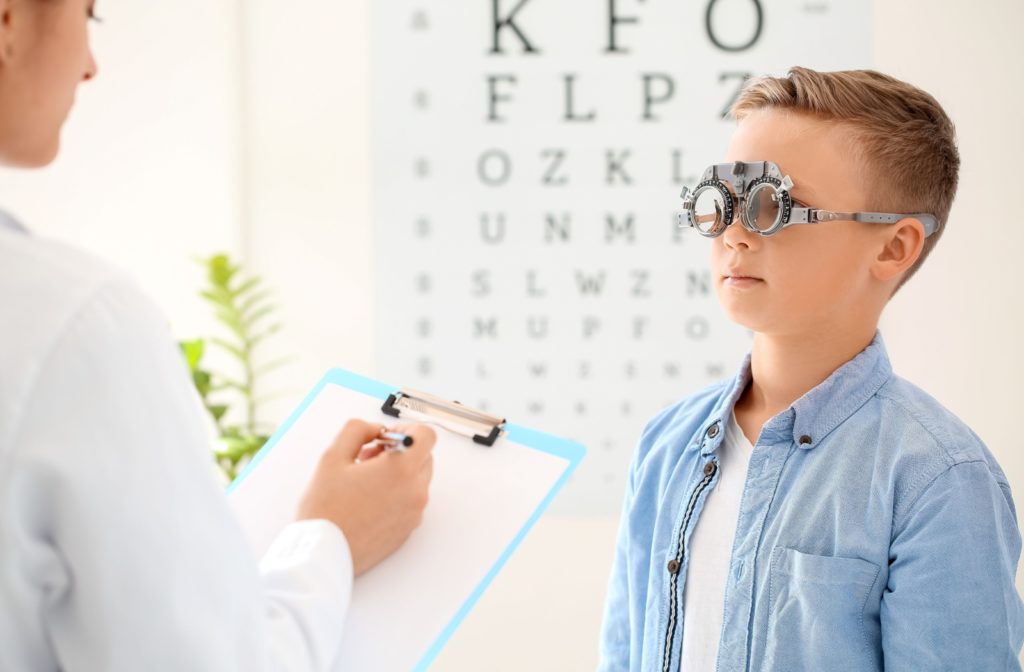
(784, 368)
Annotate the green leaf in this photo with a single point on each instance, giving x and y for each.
(234, 350)
(217, 411)
(264, 369)
(193, 351)
(220, 270)
(231, 448)
(228, 384)
(252, 301)
(267, 333)
(251, 320)
(201, 379)
(246, 286)
(218, 297)
(235, 448)
(229, 318)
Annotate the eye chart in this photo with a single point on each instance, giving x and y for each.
(527, 161)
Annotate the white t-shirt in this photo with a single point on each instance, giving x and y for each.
(118, 550)
(710, 552)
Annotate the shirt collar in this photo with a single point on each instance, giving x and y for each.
(9, 223)
(814, 415)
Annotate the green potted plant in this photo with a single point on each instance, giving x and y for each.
(242, 307)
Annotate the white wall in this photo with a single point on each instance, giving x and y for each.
(308, 189)
(957, 327)
(160, 164)
(148, 175)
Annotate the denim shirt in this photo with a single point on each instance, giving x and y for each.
(876, 531)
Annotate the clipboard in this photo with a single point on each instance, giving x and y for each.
(492, 482)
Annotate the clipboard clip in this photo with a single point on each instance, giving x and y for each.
(482, 427)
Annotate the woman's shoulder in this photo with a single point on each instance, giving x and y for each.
(46, 283)
(36, 268)
(50, 289)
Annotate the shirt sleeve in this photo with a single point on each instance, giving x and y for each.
(951, 602)
(129, 540)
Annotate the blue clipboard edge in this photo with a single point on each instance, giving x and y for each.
(568, 450)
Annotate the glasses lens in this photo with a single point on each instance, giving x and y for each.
(762, 207)
(708, 211)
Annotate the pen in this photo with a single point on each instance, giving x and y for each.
(395, 441)
(391, 442)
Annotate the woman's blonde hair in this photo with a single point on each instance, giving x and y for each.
(905, 140)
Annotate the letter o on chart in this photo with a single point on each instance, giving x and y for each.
(494, 167)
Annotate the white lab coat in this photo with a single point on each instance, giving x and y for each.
(118, 551)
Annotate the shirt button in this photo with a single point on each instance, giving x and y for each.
(673, 566)
(804, 440)
(713, 431)
(709, 468)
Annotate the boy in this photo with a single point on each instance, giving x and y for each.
(816, 511)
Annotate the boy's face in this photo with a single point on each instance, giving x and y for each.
(807, 276)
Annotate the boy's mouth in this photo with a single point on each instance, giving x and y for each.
(739, 278)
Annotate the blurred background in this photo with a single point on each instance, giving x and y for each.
(352, 153)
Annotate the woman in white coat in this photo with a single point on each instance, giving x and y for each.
(118, 551)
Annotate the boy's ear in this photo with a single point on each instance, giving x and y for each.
(902, 243)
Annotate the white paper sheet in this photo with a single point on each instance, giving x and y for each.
(481, 499)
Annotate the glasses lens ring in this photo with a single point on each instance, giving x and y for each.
(717, 187)
(779, 195)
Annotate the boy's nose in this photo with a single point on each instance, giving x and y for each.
(737, 235)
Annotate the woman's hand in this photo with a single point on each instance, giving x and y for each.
(377, 502)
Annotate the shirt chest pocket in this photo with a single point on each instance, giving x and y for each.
(816, 612)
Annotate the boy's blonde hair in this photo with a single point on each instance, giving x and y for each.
(904, 138)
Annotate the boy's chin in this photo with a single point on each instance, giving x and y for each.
(750, 320)
(752, 328)
(740, 320)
